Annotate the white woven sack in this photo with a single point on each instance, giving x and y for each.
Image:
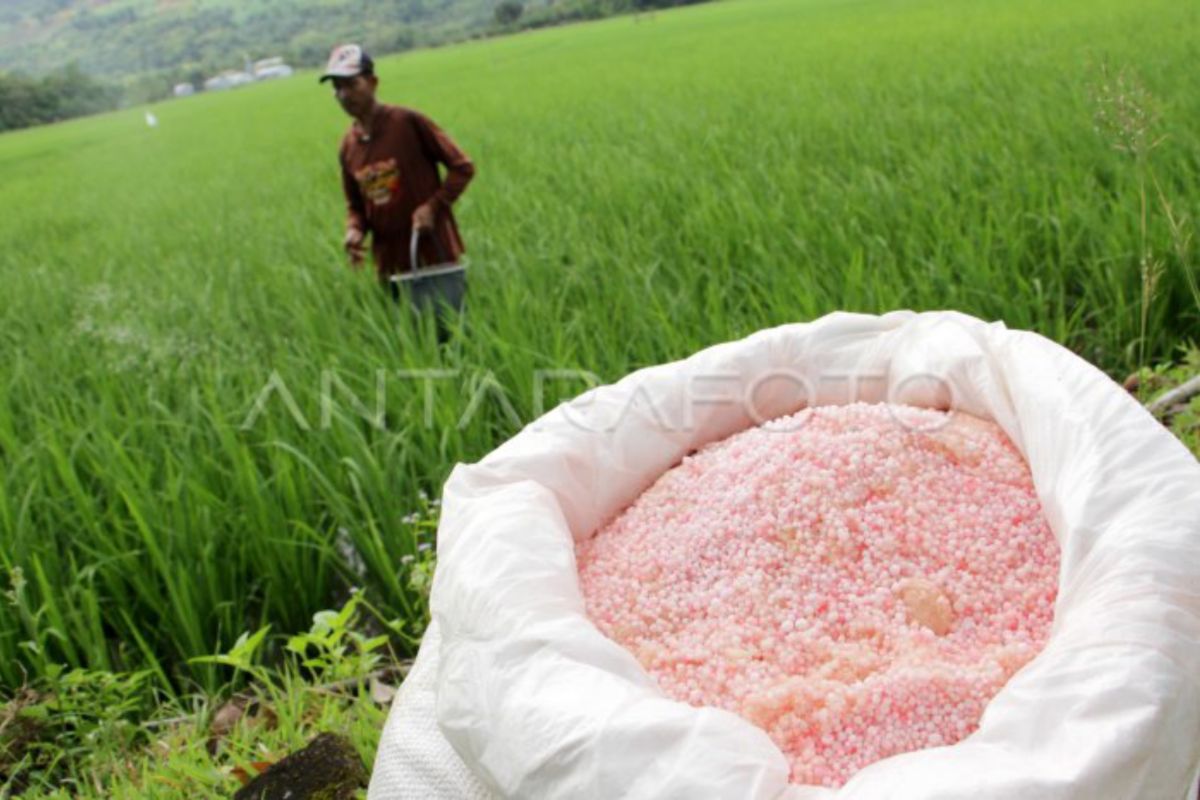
(537, 703)
(414, 761)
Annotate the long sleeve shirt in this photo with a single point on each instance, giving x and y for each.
(391, 169)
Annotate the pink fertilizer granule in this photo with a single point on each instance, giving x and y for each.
(859, 581)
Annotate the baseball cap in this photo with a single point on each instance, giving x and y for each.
(346, 61)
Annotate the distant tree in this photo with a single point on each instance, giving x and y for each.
(148, 87)
(509, 11)
(69, 92)
(17, 103)
(309, 49)
(390, 39)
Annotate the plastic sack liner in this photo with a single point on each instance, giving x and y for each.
(532, 701)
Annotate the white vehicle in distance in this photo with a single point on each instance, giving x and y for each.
(271, 68)
(228, 80)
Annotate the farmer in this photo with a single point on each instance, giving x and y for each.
(389, 161)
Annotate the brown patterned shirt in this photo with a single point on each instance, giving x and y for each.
(388, 171)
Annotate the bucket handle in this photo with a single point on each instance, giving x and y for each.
(412, 249)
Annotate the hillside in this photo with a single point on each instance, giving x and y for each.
(119, 39)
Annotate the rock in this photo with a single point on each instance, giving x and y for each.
(329, 768)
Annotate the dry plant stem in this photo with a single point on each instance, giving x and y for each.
(1180, 394)
(1151, 269)
(1147, 289)
(1128, 111)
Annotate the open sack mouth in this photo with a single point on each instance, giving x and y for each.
(858, 581)
(531, 699)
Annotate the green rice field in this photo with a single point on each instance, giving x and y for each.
(209, 424)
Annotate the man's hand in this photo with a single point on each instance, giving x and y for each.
(422, 218)
(354, 247)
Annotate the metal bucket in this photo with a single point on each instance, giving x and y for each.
(431, 288)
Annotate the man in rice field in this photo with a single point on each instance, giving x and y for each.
(390, 175)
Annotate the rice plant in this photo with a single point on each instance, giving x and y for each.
(208, 424)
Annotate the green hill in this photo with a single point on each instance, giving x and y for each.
(137, 49)
(121, 38)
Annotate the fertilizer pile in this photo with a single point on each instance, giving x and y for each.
(859, 581)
